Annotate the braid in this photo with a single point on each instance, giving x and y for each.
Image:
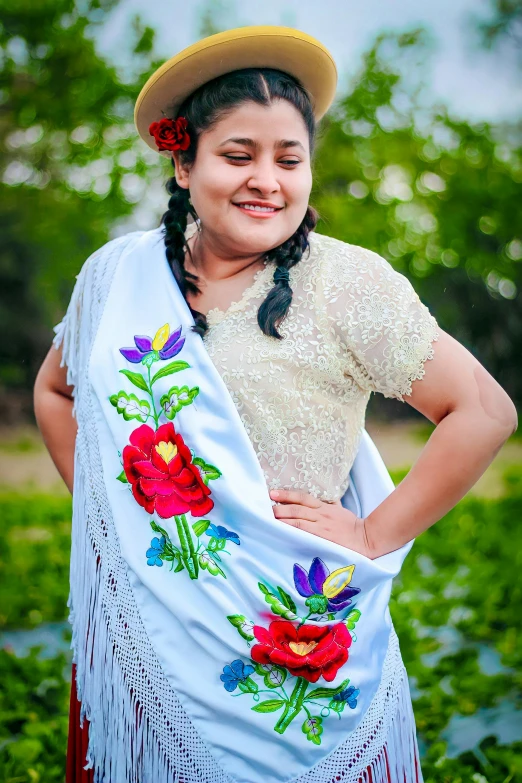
(276, 305)
(175, 222)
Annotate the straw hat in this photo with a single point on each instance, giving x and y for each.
(256, 46)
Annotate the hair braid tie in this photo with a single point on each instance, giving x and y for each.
(281, 275)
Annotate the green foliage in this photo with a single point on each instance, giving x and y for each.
(72, 163)
(436, 196)
(34, 552)
(34, 696)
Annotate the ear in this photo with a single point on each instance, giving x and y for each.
(182, 171)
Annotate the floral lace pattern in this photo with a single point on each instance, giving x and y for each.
(355, 326)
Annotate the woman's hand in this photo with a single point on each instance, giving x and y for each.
(327, 520)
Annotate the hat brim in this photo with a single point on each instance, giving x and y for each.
(256, 46)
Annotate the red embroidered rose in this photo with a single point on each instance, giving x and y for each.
(170, 134)
(159, 467)
(310, 651)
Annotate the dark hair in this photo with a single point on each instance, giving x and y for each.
(203, 109)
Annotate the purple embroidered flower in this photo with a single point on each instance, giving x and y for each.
(325, 591)
(149, 349)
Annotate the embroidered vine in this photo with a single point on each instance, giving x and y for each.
(163, 474)
(293, 651)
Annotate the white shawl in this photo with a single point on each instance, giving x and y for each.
(213, 643)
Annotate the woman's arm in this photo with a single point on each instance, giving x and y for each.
(474, 418)
(53, 406)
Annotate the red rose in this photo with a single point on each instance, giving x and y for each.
(170, 134)
(159, 467)
(310, 651)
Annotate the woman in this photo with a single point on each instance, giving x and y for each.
(255, 644)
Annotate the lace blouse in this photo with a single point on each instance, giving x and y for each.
(355, 326)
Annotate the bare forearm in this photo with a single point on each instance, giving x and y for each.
(58, 427)
(458, 452)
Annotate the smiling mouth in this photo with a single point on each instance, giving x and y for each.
(258, 210)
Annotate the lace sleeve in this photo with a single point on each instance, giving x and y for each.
(384, 330)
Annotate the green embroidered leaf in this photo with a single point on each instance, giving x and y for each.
(326, 693)
(274, 676)
(137, 379)
(122, 477)
(248, 686)
(270, 705)
(337, 706)
(207, 562)
(313, 728)
(209, 472)
(352, 618)
(275, 604)
(130, 407)
(287, 600)
(179, 565)
(244, 627)
(331, 616)
(157, 529)
(169, 370)
(200, 526)
(176, 398)
(317, 603)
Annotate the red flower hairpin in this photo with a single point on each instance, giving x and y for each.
(170, 134)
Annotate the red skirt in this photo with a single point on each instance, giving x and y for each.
(78, 742)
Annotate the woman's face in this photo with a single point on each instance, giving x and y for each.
(256, 153)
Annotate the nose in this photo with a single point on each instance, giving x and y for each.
(263, 177)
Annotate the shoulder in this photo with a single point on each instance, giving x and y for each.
(337, 264)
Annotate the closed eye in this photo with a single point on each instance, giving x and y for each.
(286, 162)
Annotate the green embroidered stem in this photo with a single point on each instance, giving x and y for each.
(188, 554)
(156, 414)
(293, 708)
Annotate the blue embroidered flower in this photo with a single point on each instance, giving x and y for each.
(349, 695)
(157, 548)
(149, 349)
(221, 532)
(235, 673)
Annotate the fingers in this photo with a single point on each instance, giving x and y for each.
(291, 511)
(295, 496)
(302, 524)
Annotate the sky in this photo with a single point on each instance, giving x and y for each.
(473, 83)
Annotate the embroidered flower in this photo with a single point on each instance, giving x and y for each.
(349, 695)
(149, 349)
(157, 548)
(309, 651)
(170, 134)
(235, 673)
(159, 467)
(221, 532)
(325, 591)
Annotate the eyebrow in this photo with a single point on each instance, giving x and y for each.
(284, 143)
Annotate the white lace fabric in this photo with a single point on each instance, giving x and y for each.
(355, 326)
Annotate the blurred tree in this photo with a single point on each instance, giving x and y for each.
(435, 195)
(71, 166)
(506, 22)
(438, 197)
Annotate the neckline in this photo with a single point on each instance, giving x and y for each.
(215, 314)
